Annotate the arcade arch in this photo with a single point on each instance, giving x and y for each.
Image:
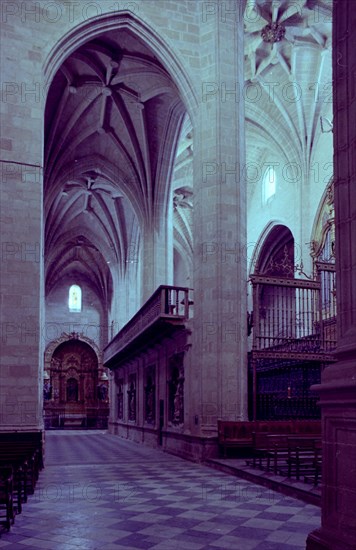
(118, 100)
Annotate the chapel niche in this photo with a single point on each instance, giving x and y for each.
(75, 394)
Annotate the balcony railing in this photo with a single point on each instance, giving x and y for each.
(170, 303)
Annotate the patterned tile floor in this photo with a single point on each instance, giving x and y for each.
(101, 492)
(243, 468)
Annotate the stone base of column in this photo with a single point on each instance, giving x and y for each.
(321, 539)
(338, 405)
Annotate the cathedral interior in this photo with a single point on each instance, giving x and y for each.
(178, 226)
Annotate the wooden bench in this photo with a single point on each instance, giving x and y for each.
(264, 442)
(305, 427)
(19, 468)
(292, 455)
(31, 440)
(7, 514)
(232, 435)
(23, 449)
(301, 454)
(317, 463)
(21, 454)
(26, 464)
(277, 450)
(239, 434)
(260, 447)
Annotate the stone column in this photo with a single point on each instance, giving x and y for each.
(156, 260)
(21, 281)
(217, 377)
(338, 386)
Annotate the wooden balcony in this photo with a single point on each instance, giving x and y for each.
(169, 307)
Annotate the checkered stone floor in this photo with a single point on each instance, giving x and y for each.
(101, 492)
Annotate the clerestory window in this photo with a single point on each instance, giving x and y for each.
(269, 184)
(75, 298)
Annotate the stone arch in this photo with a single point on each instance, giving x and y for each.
(258, 246)
(54, 344)
(72, 361)
(149, 207)
(274, 256)
(126, 20)
(261, 248)
(74, 378)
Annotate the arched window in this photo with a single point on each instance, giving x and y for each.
(269, 184)
(75, 298)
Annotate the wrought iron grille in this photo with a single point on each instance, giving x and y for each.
(294, 334)
(286, 315)
(283, 389)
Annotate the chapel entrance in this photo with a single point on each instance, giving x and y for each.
(75, 389)
(293, 332)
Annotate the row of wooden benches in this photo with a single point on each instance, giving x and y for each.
(21, 460)
(239, 434)
(286, 454)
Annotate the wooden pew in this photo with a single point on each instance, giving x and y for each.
(305, 427)
(6, 497)
(317, 461)
(315, 471)
(27, 462)
(18, 441)
(232, 435)
(18, 467)
(239, 434)
(301, 454)
(277, 450)
(21, 454)
(260, 447)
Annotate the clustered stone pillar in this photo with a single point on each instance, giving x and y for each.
(216, 381)
(338, 385)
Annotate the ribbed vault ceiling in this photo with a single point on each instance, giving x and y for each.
(113, 117)
(287, 80)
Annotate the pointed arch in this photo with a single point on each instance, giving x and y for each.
(273, 237)
(90, 29)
